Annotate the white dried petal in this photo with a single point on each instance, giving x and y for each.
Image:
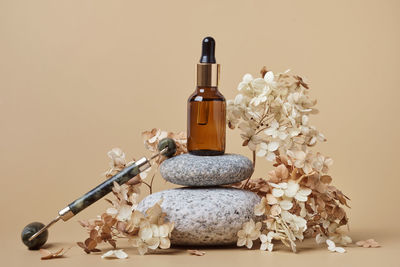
(247, 78)
(286, 204)
(269, 77)
(264, 246)
(249, 243)
(241, 241)
(145, 233)
(301, 197)
(273, 146)
(275, 210)
(303, 211)
(112, 211)
(340, 250)
(292, 188)
(331, 245)
(120, 254)
(124, 213)
(109, 253)
(271, 199)
(142, 248)
(271, 157)
(320, 239)
(261, 153)
(277, 192)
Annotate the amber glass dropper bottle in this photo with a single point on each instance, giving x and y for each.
(206, 107)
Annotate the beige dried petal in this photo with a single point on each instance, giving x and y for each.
(47, 254)
(271, 200)
(282, 172)
(145, 233)
(196, 252)
(124, 213)
(326, 179)
(153, 242)
(142, 248)
(83, 223)
(154, 212)
(264, 189)
(275, 210)
(90, 243)
(135, 180)
(259, 209)
(135, 241)
(249, 243)
(370, 243)
(339, 213)
(93, 234)
(241, 241)
(165, 243)
(121, 226)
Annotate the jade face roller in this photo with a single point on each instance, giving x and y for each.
(31, 232)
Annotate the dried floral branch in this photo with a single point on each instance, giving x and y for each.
(272, 113)
(144, 231)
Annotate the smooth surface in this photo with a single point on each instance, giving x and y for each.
(80, 77)
(204, 216)
(192, 170)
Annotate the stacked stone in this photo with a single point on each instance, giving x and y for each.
(204, 212)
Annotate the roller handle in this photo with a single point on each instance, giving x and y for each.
(106, 187)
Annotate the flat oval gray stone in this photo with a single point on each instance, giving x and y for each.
(191, 170)
(204, 216)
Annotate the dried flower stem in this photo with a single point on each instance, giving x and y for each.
(151, 184)
(147, 185)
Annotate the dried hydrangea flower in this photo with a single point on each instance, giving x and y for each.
(117, 156)
(152, 231)
(266, 241)
(297, 198)
(153, 137)
(249, 232)
(279, 174)
(267, 150)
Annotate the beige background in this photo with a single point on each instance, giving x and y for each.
(80, 77)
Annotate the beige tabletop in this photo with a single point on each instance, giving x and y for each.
(78, 78)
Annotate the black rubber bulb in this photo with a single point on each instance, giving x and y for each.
(208, 51)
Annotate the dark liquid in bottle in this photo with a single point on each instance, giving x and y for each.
(206, 122)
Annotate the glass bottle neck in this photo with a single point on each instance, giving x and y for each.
(202, 89)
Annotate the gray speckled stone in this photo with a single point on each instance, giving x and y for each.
(204, 216)
(191, 170)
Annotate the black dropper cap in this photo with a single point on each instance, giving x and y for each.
(208, 50)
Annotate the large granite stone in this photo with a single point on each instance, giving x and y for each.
(191, 170)
(204, 216)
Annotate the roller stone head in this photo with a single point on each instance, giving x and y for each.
(167, 142)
